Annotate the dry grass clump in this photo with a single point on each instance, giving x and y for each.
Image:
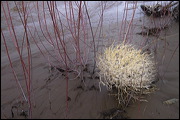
(127, 69)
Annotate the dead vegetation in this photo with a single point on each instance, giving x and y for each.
(152, 31)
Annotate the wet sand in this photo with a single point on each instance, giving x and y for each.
(168, 87)
(85, 99)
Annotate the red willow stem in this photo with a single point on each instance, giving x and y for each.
(51, 13)
(58, 33)
(67, 106)
(125, 18)
(40, 24)
(101, 22)
(30, 49)
(29, 59)
(72, 17)
(120, 30)
(85, 37)
(21, 59)
(12, 68)
(132, 26)
(23, 23)
(70, 22)
(63, 34)
(92, 37)
(40, 42)
(36, 31)
(125, 39)
(52, 43)
(64, 48)
(78, 45)
(15, 40)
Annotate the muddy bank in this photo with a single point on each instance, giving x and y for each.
(168, 86)
(84, 98)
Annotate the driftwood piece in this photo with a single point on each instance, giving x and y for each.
(158, 10)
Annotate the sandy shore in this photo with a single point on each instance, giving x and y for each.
(85, 99)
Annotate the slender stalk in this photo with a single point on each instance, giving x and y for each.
(12, 68)
(125, 38)
(29, 59)
(92, 37)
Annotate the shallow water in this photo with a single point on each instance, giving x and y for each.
(85, 99)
